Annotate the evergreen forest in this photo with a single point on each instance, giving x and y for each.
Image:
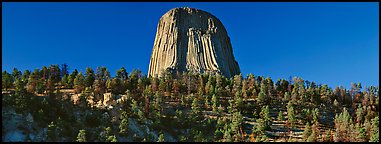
(52, 105)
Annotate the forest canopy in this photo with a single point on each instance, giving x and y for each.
(93, 106)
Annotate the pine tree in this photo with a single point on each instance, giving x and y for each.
(32, 81)
(327, 137)
(236, 125)
(105, 134)
(206, 103)
(254, 94)
(286, 97)
(196, 112)
(261, 138)
(227, 136)
(175, 87)
(123, 126)
(22, 98)
(16, 73)
(81, 136)
(244, 90)
(307, 131)
(280, 116)
(265, 116)
(375, 130)
(312, 138)
(260, 128)
(158, 102)
(231, 107)
(79, 83)
(71, 77)
(315, 115)
(55, 74)
(237, 83)
(342, 123)
(25, 76)
(290, 139)
(161, 138)
(262, 97)
(180, 117)
(116, 86)
(52, 132)
(218, 80)
(211, 90)
(238, 101)
(220, 123)
(359, 114)
(218, 135)
(64, 81)
(360, 133)
(90, 77)
(198, 136)
(291, 114)
(314, 133)
(214, 103)
(134, 107)
(368, 128)
(112, 139)
(109, 85)
(7, 81)
(141, 117)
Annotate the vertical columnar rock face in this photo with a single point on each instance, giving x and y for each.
(189, 39)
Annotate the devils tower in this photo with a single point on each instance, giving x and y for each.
(189, 39)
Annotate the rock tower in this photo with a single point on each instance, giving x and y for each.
(189, 39)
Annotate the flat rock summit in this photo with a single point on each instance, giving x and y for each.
(189, 39)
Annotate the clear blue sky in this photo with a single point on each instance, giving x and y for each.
(332, 43)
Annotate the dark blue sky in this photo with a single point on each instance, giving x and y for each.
(332, 43)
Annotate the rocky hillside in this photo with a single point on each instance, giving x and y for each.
(187, 107)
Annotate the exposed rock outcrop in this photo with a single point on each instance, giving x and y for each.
(189, 39)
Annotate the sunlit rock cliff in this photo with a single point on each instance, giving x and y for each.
(189, 39)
